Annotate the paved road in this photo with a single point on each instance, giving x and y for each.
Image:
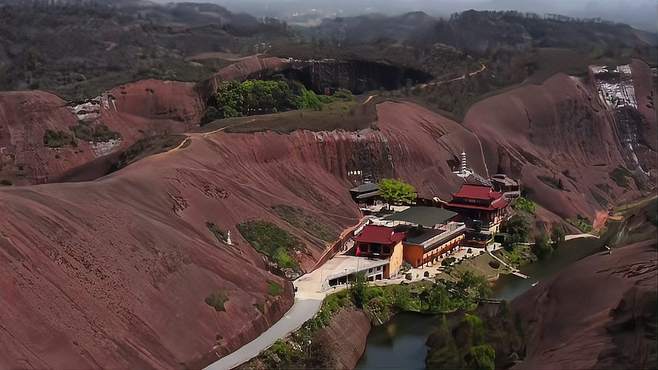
(301, 311)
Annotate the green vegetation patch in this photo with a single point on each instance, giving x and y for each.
(257, 97)
(94, 133)
(397, 191)
(525, 205)
(582, 223)
(58, 139)
(517, 229)
(297, 217)
(620, 176)
(516, 255)
(217, 232)
(217, 300)
(274, 289)
(300, 349)
(272, 241)
(235, 99)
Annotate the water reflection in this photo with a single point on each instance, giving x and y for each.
(400, 343)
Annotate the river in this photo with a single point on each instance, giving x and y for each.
(400, 343)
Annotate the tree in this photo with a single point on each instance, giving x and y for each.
(358, 289)
(518, 229)
(474, 285)
(308, 100)
(397, 191)
(557, 236)
(542, 247)
(481, 357)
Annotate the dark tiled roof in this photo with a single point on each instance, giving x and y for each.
(419, 237)
(365, 188)
(368, 195)
(424, 216)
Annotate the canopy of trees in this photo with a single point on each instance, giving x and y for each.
(397, 191)
(518, 229)
(235, 99)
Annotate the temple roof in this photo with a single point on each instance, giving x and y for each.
(379, 235)
(367, 187)
(480, 192)
(424, 216)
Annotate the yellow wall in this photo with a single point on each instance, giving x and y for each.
(396, 260)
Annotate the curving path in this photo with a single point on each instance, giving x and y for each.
(301, 311)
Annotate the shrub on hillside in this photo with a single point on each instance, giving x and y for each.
(274, 288)
(525, 205)
(58, 139)
(272, 241)
(542, 247)
(217, 300)
(620, 176)
(94, 133)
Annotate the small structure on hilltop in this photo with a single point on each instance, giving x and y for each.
(381, 242)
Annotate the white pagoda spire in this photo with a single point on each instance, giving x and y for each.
(463, 171)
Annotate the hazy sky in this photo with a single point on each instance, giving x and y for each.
(640, 13)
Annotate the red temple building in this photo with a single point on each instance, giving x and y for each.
(381, 242)
(480, 207)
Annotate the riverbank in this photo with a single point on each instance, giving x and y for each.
(302, 349)
(381, 310)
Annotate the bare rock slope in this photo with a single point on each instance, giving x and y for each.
(614, 328)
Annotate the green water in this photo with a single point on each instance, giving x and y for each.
(400, 343)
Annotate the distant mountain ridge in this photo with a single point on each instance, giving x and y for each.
(484, 31)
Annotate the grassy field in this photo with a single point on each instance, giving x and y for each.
(339, 115)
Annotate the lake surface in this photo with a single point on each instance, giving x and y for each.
(509, 287)
(400, 343)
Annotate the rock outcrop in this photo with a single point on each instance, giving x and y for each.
(343, 341)
(134, 111)
(560, 140)
(615, 328)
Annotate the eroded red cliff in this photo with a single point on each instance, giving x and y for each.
(614, 328)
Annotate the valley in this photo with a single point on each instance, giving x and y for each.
(144, 224)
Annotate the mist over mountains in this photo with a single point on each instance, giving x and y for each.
(640, 14)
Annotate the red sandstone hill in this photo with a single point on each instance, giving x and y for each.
(613, 328)
(116, 271)
(559, 140)
(135, 110)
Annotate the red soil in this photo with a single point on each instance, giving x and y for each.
(114, 273)
(124, 263)
(557, 130)
(611, 330)
(141, 108)
(645, 93)
(421, 144)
